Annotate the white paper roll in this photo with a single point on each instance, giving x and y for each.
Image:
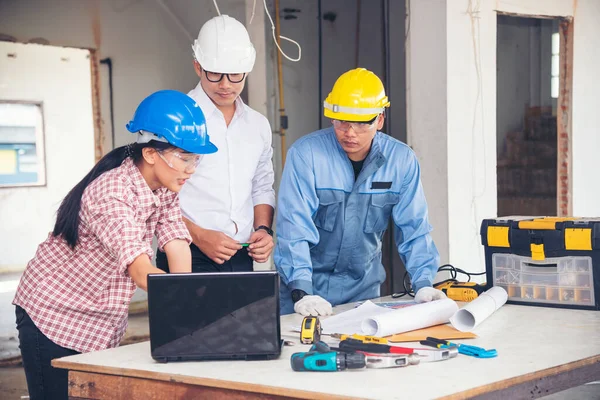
(410, 318)
(479, 309)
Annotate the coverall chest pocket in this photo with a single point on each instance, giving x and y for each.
(379, 211)
(330, 202)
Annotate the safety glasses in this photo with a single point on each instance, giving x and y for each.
(357, 127)
(181, 162)
(215, 77)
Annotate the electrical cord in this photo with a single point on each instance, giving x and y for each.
(446, 267)
(272, 30)
(407, 289)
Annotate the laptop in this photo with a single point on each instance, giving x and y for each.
(214, 316)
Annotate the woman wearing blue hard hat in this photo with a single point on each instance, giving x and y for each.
(74, 294)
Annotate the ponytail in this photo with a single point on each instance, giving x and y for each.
(67, 216)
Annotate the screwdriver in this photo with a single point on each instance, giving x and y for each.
(364, 339)
(351, 344)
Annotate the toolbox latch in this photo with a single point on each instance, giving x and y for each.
(537, 252)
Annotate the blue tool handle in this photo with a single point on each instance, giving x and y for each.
(477, 351)
(473, 348)
(465, 349)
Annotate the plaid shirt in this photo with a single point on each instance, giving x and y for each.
(80, 298)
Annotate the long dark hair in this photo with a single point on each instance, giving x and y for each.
(67, 216)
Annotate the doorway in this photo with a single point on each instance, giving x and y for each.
(531, 82)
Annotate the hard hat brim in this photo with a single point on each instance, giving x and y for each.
(208, 148)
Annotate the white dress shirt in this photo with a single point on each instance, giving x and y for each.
(228, 184)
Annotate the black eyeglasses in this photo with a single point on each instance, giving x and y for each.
(217, 77)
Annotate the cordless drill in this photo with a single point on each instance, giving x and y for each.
(320, 357)
(461, 291)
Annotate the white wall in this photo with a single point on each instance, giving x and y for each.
(60, 79)
(471, 130)
(427, 103)
(586, 109)
(469, 121)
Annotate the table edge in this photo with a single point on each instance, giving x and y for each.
(282, 391)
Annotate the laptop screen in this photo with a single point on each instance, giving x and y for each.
(214, 316)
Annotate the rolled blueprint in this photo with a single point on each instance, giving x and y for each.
(479, 309)
(410, 318)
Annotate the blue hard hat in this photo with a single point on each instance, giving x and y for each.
(175, 118)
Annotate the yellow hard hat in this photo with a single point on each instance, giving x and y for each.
(357, 95)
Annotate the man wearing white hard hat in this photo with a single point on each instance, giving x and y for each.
(228, 204)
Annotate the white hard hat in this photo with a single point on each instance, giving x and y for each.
(223, 45)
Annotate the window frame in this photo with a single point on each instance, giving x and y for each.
(40, 146)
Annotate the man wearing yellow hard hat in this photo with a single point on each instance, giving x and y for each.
(340, 185)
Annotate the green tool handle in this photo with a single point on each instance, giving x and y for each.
(314, 361)
(327, 362)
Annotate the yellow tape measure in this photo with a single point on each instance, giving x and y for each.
(310, 332)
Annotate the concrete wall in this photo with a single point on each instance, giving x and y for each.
(462, 128)
(350, 39)
(352, 35)
(451, 83)
(150, 46)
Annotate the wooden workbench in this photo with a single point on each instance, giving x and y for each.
(541, 351)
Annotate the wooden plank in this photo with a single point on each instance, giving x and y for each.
(99, 386)
(537, 384)
(86, 385)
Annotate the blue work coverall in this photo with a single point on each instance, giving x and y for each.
(329, 226)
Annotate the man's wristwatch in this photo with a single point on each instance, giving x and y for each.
(265, 228)
(297, 294)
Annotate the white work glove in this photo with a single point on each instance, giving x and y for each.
(427, 294)
(313, 305)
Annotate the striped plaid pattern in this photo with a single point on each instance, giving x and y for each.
(80, 298)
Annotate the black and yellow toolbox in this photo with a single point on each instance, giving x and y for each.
(544, 261)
